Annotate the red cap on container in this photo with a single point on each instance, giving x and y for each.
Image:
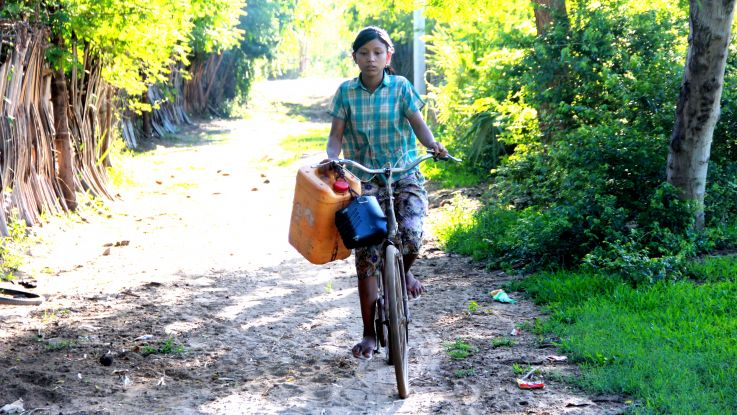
(340, 186)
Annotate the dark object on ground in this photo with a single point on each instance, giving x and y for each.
(106, 359)
(28, 283)
(11, 296)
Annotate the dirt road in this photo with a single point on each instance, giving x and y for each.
(189, 288)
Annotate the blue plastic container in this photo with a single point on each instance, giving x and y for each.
(361, 223)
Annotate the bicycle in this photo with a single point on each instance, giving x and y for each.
(392, 317)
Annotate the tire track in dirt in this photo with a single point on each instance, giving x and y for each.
(238, 322)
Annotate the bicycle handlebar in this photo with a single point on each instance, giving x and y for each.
(384, 170)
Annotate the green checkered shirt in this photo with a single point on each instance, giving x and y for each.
(377, 131)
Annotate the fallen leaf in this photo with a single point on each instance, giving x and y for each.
(555, 359)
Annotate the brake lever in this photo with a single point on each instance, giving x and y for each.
(444, 158)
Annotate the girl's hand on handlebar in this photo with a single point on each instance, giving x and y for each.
(439, 149)
(326, 165)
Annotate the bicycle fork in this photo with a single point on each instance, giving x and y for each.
(405, 296)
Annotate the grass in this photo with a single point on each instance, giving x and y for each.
(464, 373)
(455, 228)
(472, 306)
(311, 140)
(49, 316)
(64, 344)
(13, 247)
(502, 342)
(449, 174)
(712, 269)
(459, 349)
(518, 369)
(671, 346)
(168, 346)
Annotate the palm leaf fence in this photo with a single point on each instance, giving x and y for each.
(29, 182)
(202, 92)
(168, 114)
(169, 111)
(28, 168)
(209, 81)
(90, 99)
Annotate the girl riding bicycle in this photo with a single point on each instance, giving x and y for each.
(377, 121)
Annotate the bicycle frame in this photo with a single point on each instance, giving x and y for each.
(386, 174)
(384, 290)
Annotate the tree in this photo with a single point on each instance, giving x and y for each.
(62, 140)
(697, 109)
(263, 24)
(547, 12)
(548, 15)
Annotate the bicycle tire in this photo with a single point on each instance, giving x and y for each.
(17, 297)
(398, 330)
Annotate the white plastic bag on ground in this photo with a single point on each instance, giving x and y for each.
(13, 408)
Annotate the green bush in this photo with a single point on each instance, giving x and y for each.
(591, 190)
(714, 269)
(721, 193)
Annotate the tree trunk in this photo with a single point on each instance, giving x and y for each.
(303, 58)
(62, 140)
(547, 12)
(107, 122)
(697, 110)
(148, 130)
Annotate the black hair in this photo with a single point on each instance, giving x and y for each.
(367, 34)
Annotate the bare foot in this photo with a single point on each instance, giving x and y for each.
(365, 349)
(414, 286)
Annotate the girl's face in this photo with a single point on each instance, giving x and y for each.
(372, 58)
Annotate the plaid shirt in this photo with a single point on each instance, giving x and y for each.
(377, 131)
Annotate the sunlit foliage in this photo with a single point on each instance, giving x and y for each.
(137, 41)
(588, 187)
(315, 42)
(264, 25)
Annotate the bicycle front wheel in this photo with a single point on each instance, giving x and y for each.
(398, 329)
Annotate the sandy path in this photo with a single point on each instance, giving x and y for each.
(195, 256)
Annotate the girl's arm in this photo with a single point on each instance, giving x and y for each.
(335, 139)
(424, 134)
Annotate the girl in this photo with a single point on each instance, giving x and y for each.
(377, 120)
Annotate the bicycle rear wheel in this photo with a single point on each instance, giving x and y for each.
(398, 329)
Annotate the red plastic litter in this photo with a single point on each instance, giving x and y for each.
(530, 384)
(528, 381)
